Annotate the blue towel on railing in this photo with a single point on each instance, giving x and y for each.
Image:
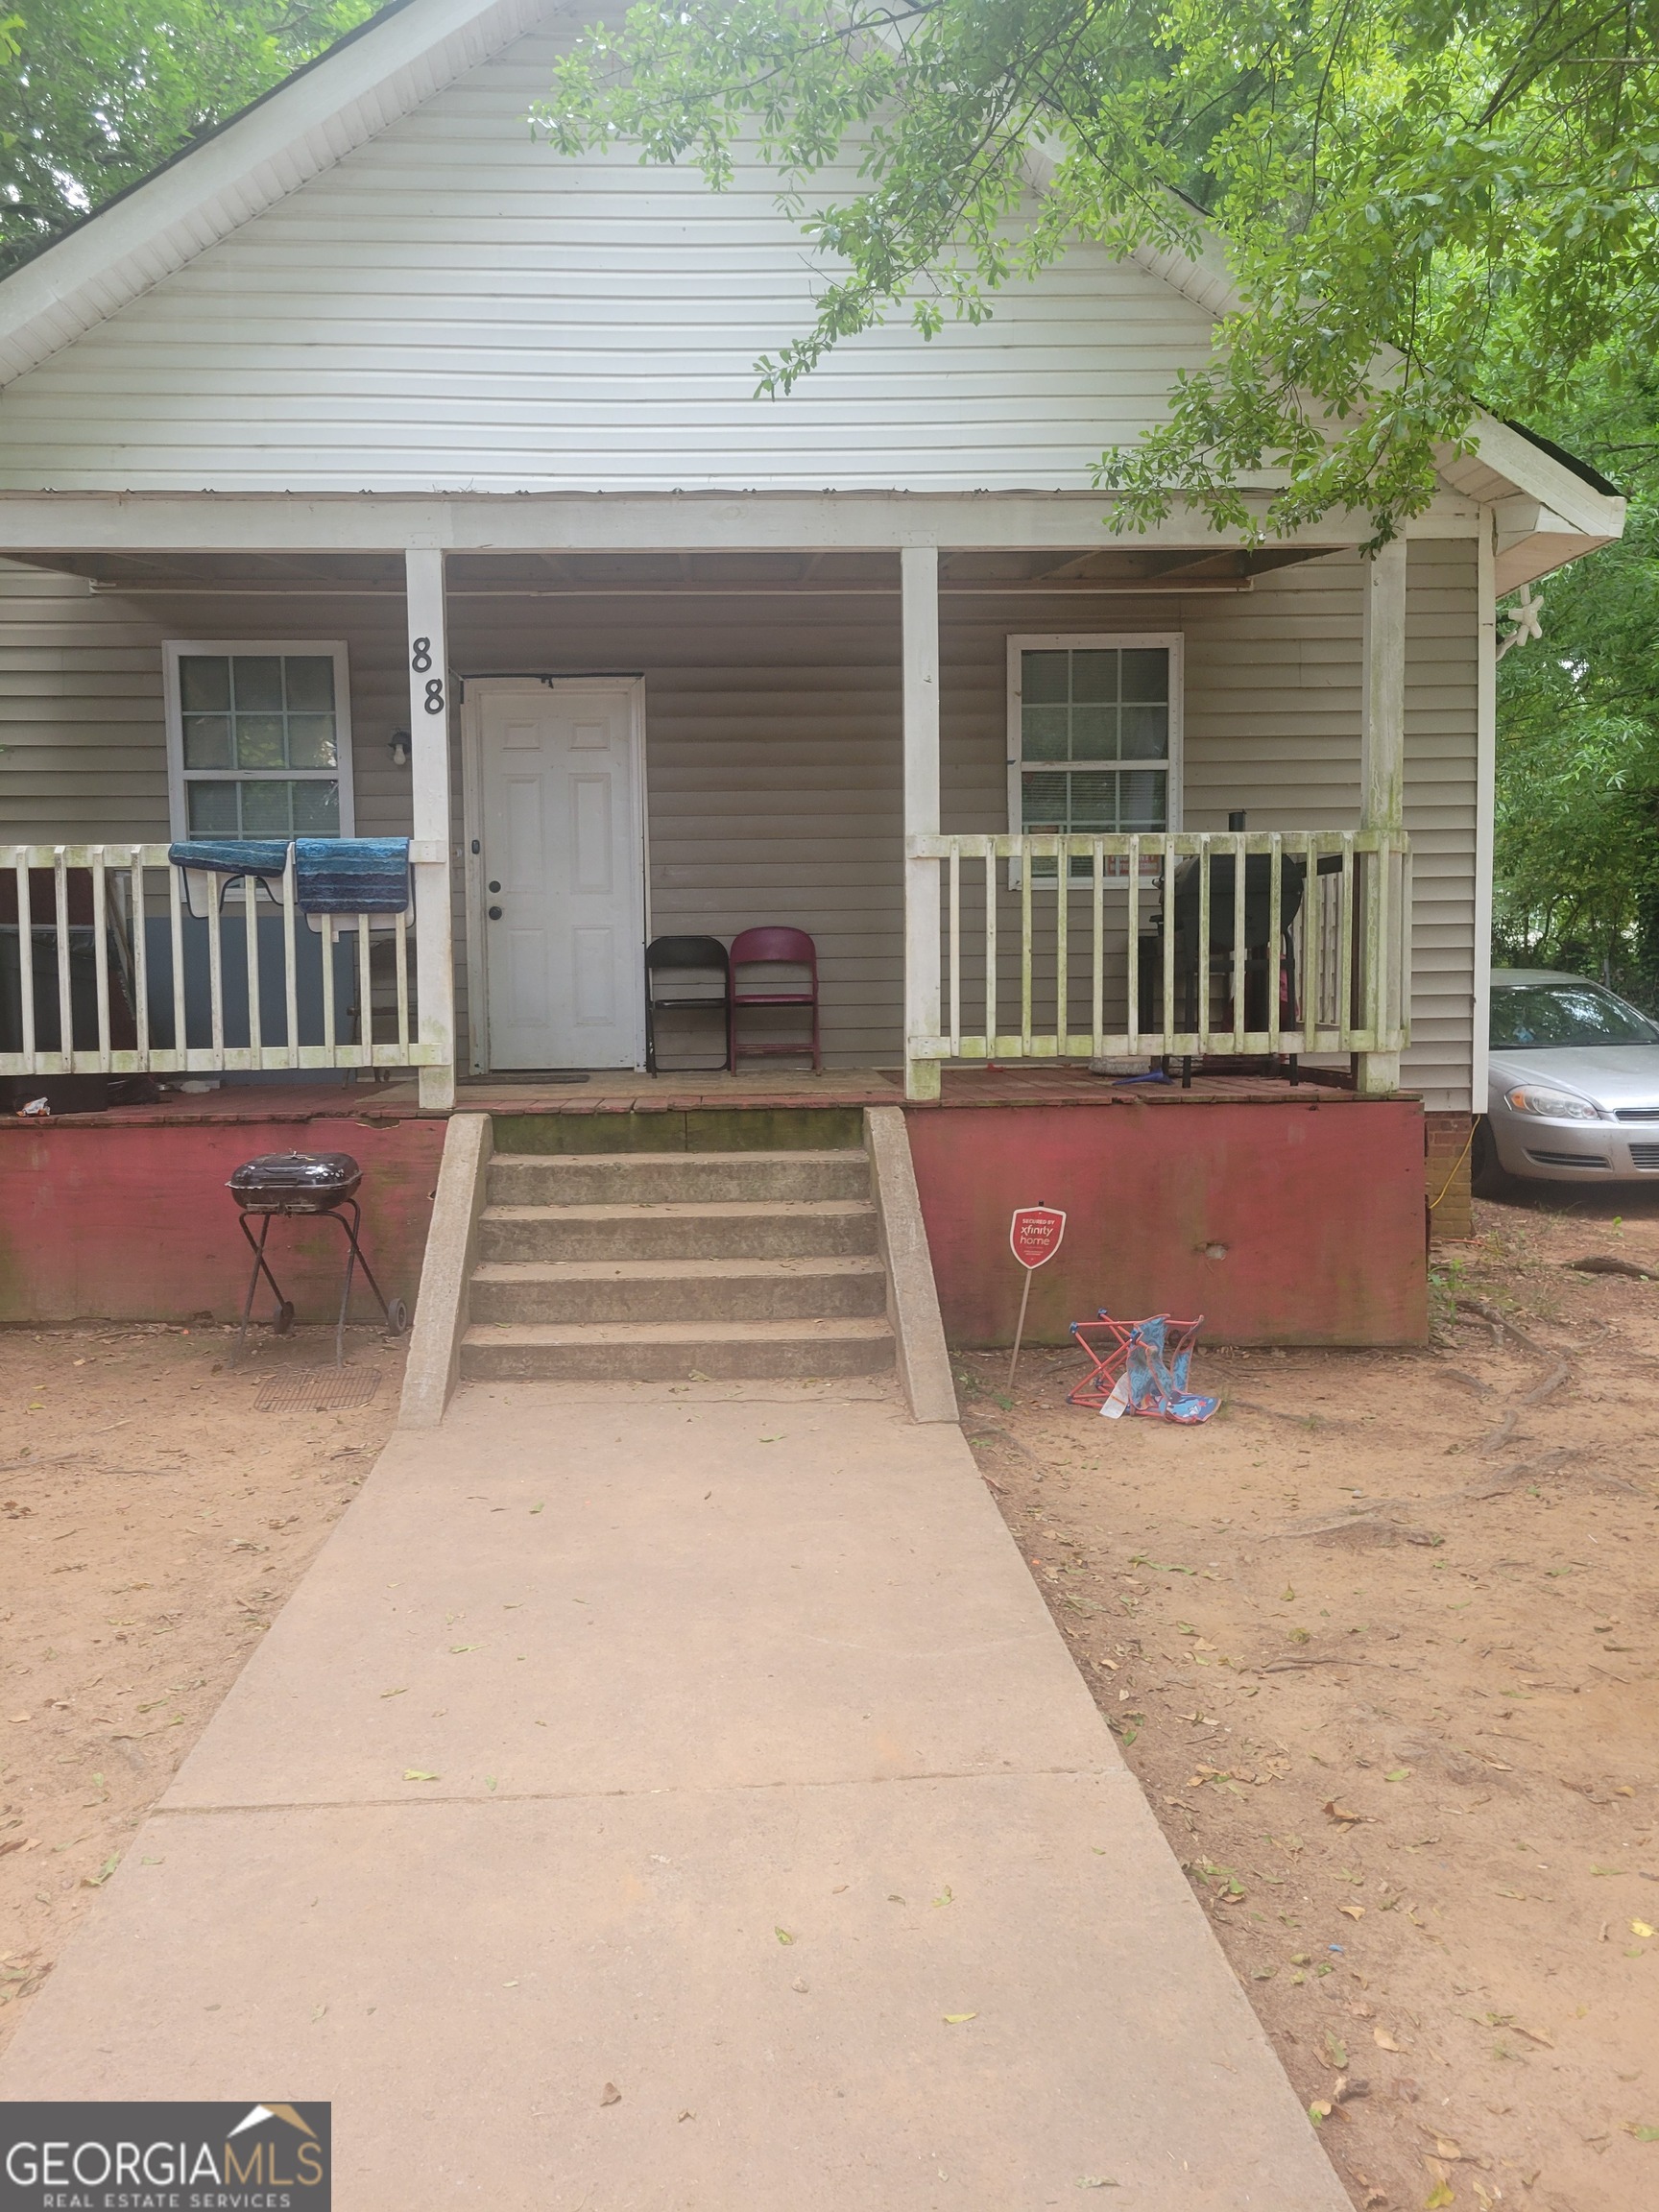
(351, 874)
(263, 856)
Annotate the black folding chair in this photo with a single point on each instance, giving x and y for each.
(682, 959)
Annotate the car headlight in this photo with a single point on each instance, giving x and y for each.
(1558, 1105)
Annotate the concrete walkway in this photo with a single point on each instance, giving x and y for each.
(754, 1785)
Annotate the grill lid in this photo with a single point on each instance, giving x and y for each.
(319, 1177)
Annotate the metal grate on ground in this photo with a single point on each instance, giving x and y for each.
(318, 1390)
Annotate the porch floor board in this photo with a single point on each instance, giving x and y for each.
(624, 1091)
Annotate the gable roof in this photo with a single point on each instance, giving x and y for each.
(411, 50)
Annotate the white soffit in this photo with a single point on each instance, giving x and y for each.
(295, 131)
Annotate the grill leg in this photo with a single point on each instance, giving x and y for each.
(353, 1254)
(356, 1258)
(261, 1266)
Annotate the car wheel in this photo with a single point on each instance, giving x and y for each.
(1488, 1177)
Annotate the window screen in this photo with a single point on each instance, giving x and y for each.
(260, 737)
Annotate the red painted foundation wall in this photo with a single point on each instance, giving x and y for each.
(135, 1224)
(1280, 1223)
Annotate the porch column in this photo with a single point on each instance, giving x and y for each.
(429, 755)
(919, 573)
(1382, 760)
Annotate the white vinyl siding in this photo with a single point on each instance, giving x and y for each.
(455, 307)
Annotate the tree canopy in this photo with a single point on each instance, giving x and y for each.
(1577, 823)
(95, 93)
(1424, 202)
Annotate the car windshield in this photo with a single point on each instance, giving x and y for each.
(1537, 1013)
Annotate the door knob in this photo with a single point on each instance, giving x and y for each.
(494, 913)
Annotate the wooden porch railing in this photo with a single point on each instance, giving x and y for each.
(1028, 974)
(96, 941)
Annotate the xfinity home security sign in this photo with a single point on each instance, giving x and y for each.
(165, 2158)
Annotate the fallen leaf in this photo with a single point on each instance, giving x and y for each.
(536, 1509)
(1386, 2042)
(1354, 1912)
(457, 1648)
(1340, 1813)
(610, 2094)
(404, 1692)
(1337, 2051)
(1398, 1774)
(1641, 1929)
(1319, 2109)
(782, 1935)
(1534, 2034)
(1446, 2150)
(944, 1898)
(419, 1774)
(1441, 2194)
(955, 2019)
(97, 1881)
(1642, 2134)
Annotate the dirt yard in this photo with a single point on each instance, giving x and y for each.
(153, 1517)
(1380, 1643)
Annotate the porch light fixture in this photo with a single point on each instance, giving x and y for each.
(397, 745)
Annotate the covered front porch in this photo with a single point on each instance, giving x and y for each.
(902, 748)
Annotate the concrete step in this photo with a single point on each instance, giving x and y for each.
(599, 1290)
(672, 1352)
(789, 1228)
(660, 1178)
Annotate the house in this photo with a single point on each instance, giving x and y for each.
(373, 468)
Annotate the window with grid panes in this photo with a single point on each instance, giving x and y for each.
(262, 742)
(1095, 725)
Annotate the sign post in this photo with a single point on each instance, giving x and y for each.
(1034, 1234)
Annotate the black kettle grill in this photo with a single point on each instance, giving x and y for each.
(306, 1183)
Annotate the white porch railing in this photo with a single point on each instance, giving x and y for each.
(1027, 975)
(104, 970)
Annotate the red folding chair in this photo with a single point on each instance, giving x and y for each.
(775, 947)
(1106, 1343)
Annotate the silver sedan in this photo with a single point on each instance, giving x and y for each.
(1574, 1083)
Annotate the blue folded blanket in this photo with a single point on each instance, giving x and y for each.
(264, 856)
(351, 874)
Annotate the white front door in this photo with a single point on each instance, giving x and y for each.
(562, 869)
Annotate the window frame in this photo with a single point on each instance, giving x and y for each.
(1172, 642)
(179, 777)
